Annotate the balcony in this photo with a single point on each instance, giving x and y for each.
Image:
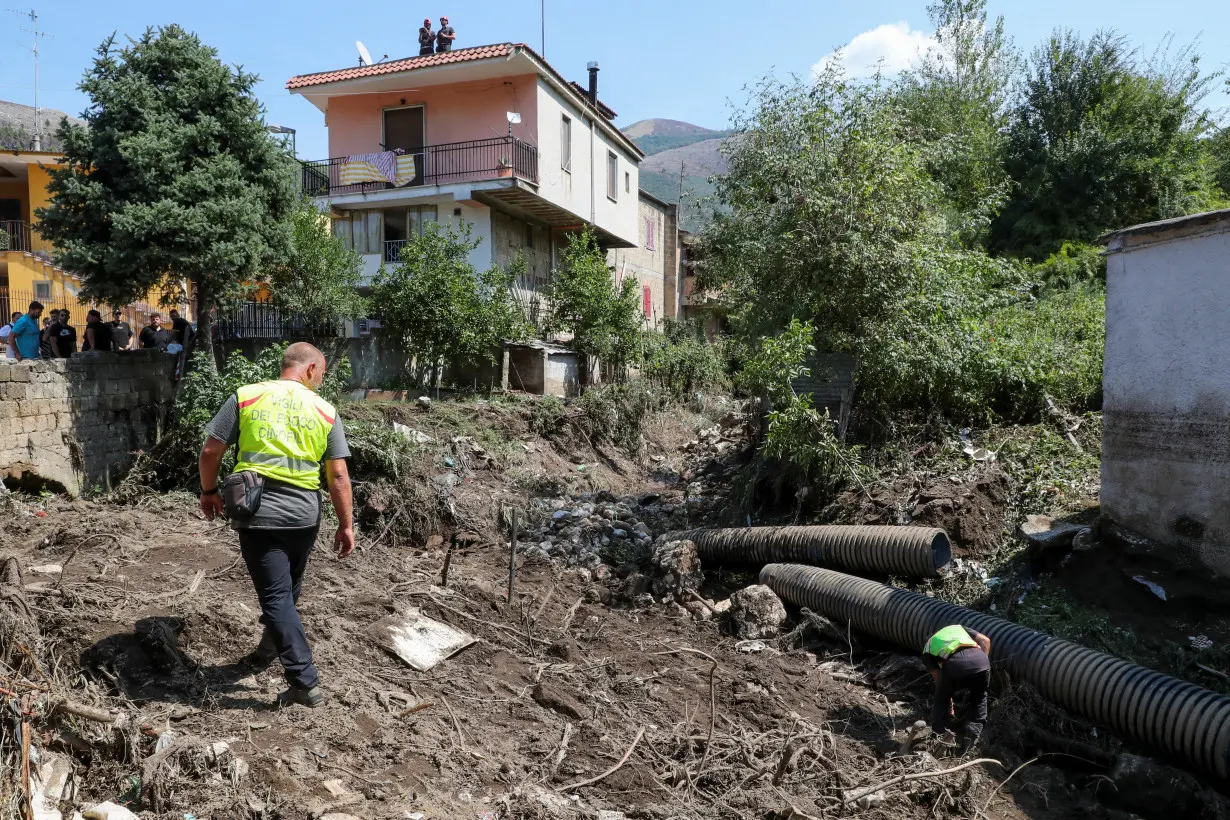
(14, 236)
(472, 161)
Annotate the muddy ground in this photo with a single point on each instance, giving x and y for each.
(153, 611)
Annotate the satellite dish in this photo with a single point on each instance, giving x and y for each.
(513, 118)
(365, 56)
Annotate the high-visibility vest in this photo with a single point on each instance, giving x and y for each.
(947, 641)
(283, 432)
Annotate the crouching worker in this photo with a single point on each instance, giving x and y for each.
(958, 658)
(284, 433)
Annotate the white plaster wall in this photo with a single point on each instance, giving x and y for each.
(478, 217)
(1166, 386)
(572, 191)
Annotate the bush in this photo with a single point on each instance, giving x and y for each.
(1074, 263)
(682, 361)
(1050, 346)
(616, 413)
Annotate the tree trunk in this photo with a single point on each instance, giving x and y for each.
(205, 324)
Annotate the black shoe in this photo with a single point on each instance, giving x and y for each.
(265, 653)
(297, 695)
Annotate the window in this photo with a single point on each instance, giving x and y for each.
(565, 143)
(42, 291)
(529, 235)
(649, 239)
(627, 182)
(612, 175)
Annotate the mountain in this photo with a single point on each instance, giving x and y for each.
(18, 123)
(671, 146)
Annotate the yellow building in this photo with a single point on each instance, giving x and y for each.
(26, 271)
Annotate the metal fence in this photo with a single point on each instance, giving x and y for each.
(436, 165)
(18, 301)
(261, 319)
(14, 235)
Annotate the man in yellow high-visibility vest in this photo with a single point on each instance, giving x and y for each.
(959, 659)
(285, 433)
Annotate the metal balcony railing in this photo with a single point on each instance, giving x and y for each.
(435, 165)
(392, 249)
(16, 236)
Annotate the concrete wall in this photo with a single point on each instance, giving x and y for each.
(1166, 383)
(75, 424)
(584, 190)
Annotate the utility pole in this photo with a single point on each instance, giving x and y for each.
(542, 17)
(38, 35)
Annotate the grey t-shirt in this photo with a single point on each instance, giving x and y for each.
(282, 506)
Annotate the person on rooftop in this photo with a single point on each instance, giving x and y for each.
(427, 39)
(445, 36)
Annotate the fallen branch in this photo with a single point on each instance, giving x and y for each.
(640, 733)
(854, 795)
(88, 712)
(558, 758)
(461, 739)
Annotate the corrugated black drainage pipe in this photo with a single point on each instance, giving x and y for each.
(913, 552)
(1180, 719)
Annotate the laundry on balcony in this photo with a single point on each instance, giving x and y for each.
(406, 170)
(380, 166)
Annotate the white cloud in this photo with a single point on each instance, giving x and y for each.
(891, 47)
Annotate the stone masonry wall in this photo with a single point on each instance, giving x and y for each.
(75, 424)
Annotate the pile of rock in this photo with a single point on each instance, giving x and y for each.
(593, 529)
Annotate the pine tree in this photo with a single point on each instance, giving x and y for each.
(173, 183)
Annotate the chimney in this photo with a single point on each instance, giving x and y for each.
(593, 83)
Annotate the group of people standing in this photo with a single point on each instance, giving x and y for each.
(31, 335)
(434, 42)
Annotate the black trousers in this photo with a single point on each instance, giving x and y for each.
(962, 674)
(276, 561)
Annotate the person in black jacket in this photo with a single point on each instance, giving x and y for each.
(427, 39)
(97, 334)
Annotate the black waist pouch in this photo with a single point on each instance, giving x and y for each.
(241, 494)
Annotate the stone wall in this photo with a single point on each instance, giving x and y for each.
(75, 424)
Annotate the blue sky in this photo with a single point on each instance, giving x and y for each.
(681, 59)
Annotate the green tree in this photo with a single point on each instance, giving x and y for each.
(956, 101)
(836, 221)
(604, 320)
(320, 276)
(828, 201)
(437, 308)
(173, 180)
(1218, 149)
(1101, 140)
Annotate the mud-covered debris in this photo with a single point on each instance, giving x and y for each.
(418, 641)
(108, 811)
(1044, 532)
(757, 612)
(557, 700)
(677, 572)
(1153, 789)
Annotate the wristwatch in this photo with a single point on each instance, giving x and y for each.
(214, 491)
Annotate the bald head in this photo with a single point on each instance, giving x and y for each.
(305, 363)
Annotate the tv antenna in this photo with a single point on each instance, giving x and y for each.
(38, 35)
(365, 56)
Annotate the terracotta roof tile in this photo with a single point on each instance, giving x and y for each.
(461, 55)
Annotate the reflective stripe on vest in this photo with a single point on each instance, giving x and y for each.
(947, 641)
(283, 432)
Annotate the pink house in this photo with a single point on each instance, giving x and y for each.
(492, 136)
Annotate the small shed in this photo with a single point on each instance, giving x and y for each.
(1166, 389)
